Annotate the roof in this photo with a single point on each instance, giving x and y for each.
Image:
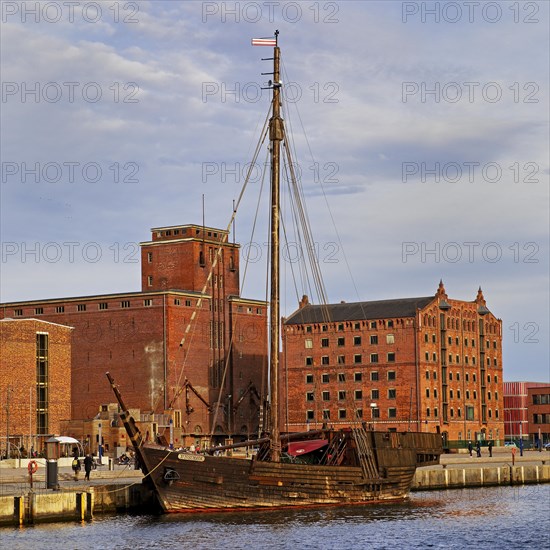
(356, 311)
(62, 439)
(33, 320)
(133, 294)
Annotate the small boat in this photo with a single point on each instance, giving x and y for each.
(355, 465)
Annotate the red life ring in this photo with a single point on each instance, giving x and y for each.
(32, 467)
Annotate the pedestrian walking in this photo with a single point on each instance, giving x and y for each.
(88, 462)
(470, 448)
(490, 447)
(76, 467)
(478, 449)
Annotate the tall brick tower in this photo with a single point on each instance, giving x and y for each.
(181, 257)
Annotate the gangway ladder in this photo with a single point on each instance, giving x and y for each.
(365, 454)
(334, 454)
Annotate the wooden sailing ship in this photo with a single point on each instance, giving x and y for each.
(319, 467)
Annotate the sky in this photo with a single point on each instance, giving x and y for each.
(420, 130)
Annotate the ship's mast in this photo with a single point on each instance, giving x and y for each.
(276, 135)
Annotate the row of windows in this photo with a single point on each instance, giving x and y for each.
(357, 341)
(541, 418)
(466, 376)
(211, 253)
(457, 359)
(386, 323)
(454, 324)
(357, 395)
(467, 341)
(357, 377)
(459, 394)
(344, 414)
(357, 359)
(541, 399)
(258, 310)
(392, 413)
(469, 413)
(147, 302)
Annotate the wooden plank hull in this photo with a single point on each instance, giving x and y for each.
(184, 482)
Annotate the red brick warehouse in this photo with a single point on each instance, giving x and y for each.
(190, 282)
(429, 364)
(35, 381)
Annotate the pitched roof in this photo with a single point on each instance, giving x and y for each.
(379, 309)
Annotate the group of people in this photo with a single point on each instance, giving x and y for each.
(478, 448)
(88, 465)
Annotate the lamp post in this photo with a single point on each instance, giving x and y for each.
(99, 445)
(171, 434)
(521, 437)
(373, 407)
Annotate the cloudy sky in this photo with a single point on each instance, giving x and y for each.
(426, 132)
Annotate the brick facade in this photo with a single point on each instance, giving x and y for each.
(428, 364)
(178, 328)
(35, 380)
(516, 404)
(538, 414)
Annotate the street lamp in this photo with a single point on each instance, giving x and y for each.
(373, 407)
(100, 446)
(521, 437)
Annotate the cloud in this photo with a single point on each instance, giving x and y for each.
(363, 83)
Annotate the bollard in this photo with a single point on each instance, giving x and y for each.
(18, 510)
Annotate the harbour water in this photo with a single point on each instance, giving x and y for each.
(485, 518)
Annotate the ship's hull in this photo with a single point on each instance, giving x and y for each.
(186, 482)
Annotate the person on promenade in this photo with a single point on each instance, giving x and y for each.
(76, 467)
(490, 447)
(478, 449)
(470, 448)
(88, 461)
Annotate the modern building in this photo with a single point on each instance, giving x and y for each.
(168, 345)
(538, 414)
(519, 410)
(35, 382)
(430, 364)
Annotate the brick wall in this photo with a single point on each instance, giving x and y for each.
(420, 372)
(18, 376)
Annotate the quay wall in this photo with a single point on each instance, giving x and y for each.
(46, 506)
(429, 479)
(81, 505)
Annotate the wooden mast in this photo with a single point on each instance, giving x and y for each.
(276, 135)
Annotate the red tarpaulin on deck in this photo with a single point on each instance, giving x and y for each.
(297, 448)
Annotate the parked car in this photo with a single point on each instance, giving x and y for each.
(547, 446)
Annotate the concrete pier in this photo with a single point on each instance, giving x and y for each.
(428, 479)
(107, 492)
(121, 490)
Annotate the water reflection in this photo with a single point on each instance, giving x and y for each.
(480, 518)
